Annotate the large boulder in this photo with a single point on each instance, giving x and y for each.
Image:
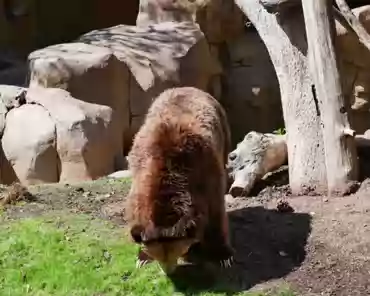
(50, 136)
(29, 145)
(126, 67)
(85, 134)
(90, 73)
(172, 53)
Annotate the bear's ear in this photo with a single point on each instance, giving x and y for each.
(136, 233)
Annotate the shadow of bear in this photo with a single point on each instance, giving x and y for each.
(268, 245)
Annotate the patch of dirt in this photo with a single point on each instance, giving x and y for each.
(273, 185)
(322, 247)
(103, 198)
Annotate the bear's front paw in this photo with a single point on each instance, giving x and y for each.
(141, 263)
(142, 259)
(227, 263)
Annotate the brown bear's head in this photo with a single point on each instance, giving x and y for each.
(165, 249)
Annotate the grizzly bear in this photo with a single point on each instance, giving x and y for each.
(178, 161)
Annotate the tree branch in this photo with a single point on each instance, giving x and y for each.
(339, 17)
(361, 32)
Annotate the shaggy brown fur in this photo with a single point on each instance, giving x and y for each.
(178, 165)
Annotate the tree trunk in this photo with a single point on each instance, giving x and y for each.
(286, 44)
(339, 145)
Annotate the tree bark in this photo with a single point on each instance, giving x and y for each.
(286, 44)
(339, 145)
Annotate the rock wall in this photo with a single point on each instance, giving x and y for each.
(87, 99)
(29, 24)
(251, 94)
(355, 66)
(11, 28)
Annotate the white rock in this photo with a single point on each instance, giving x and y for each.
(29, 144)
(85, 134)
(91, 74)
(120, 174)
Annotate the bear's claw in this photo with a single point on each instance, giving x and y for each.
(141, 263)
(227, 263)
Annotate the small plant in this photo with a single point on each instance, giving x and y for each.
(280, 131)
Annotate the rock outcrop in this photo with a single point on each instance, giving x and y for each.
(29, 145)
(125, 67)
(52, 136)
(85, 134)
(91, 74)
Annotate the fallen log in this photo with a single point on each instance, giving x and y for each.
(259, 154)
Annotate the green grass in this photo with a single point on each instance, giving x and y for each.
(76, 255)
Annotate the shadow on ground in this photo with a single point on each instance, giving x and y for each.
(268, 245)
